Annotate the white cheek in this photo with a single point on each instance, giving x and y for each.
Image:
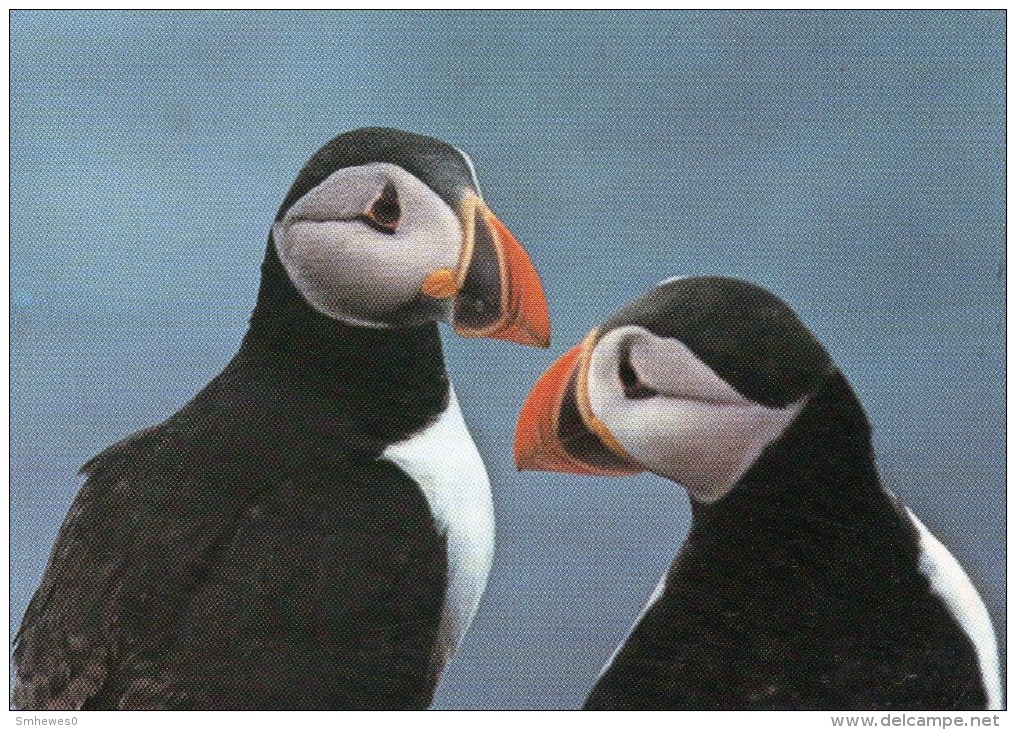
(699, 431)
(707, 447)
(668, 366)
(348, 270)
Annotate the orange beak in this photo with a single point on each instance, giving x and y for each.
(498, 294)
(553, 431)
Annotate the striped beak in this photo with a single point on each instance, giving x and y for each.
(557, 430)
(496, 288)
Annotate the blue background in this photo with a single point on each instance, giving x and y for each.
(853, 162)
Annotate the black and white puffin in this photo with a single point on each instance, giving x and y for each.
(803, 583)
(315, 528)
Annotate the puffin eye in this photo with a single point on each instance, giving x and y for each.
(634, 389)
(384, 213)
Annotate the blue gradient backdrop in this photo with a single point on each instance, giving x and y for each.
(852, 162)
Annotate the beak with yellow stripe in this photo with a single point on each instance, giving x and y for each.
(557, 429)
(495, 289)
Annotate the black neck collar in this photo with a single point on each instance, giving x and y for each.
(823, 463)
(391, 382)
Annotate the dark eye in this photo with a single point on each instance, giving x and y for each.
(385, 212)
(634, 388)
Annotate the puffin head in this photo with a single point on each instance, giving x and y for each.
(384, 229)
(692, 381)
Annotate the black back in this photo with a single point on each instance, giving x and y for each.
(252, 552)
(799, 590)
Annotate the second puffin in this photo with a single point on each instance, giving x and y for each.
(803, 583)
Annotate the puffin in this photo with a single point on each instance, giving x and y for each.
(315, 528)
(803, 583)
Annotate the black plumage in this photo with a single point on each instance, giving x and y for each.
(799, 590)
(252, 551)
(803, 583)
(252, 513)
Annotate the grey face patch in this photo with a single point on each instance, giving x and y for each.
(350, 270)
(748, 336)
(669, 367)
(696, 430)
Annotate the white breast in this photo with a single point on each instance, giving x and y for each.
(950, 583)
(442, 459)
